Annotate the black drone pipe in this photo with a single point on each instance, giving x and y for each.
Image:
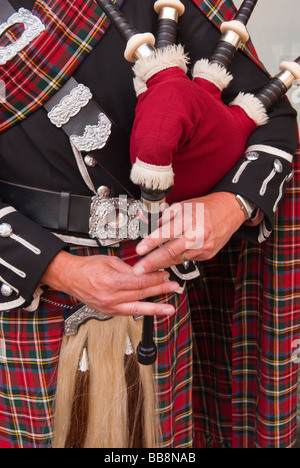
(234, 32)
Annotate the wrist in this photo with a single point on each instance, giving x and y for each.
(58, 271)
(228, 208)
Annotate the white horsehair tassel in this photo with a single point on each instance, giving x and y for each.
(129, 348)
(84, 361)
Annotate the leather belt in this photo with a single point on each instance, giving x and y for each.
(59, 211)
(109, 220)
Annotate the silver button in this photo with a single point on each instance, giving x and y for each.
(103, 191)
(252, 156)
(5, 230)
(90, 161)
(6, 290)
(278, 166)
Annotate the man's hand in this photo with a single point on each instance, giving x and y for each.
(109, 285)
(184, 230)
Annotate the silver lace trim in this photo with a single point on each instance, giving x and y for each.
(70, 105)
(95, 136)
(33, 27)
(186, 276)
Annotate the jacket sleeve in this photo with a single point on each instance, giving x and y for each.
(26, 251)
(265, 168)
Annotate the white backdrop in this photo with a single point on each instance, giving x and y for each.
(275, 32)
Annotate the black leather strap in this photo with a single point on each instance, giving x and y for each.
(62, 212)
(115, 176)
(88, 115)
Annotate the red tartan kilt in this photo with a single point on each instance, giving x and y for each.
(245, 332)
(30, 344)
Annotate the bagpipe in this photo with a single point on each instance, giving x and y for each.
(176, 117)
(176, 120)
(172, 141)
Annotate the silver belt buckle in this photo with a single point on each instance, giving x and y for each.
(113, 220)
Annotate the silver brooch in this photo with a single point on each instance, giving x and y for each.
(32, 29)
(95, 136)
(70, 105)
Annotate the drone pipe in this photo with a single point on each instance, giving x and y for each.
(137, 45)
(120, 22)
(234, 32)
(280, 84)
(168, 12)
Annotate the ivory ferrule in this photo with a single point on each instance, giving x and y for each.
(287, 78)
(168, 13)
(237, 27)
(143, 51)
(139, 46)
(232, 38)
(292, 67)
(177, 5)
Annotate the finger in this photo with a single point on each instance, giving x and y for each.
(123, 277)
(141, 294)
(169, 230)
(172, 227)
(164, 257)
(130, 282)
(145, 308)
(170, 213)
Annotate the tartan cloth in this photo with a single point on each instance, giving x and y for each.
(173, 375)
(72, 29)
(245, 326)
(30, 344)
